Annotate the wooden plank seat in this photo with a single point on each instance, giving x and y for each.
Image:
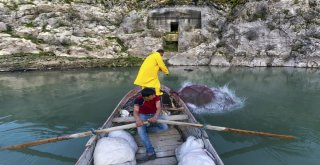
(164, 144)
(131, 118)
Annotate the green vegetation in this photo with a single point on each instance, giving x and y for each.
(33, 39)
(124, 48)
(87, 47)
(12, 6)
(30, 24)
(260, 15)
(31, 55)
(92, 47)
(68, 1)
(233, 3)
(48, 61)
(138, 31)
(9, 29)
(172, 33)
(170, 46)
(172, 2)
(28, 37)
(286, 11)
(135, 61)
(44, 28)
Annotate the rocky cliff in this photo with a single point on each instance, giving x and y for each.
(193, 32)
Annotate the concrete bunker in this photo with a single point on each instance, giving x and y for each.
(171, 22)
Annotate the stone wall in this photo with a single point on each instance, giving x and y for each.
(256, 33)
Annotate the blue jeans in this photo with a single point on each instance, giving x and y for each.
(153, 127)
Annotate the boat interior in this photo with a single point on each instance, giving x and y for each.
(164, 143)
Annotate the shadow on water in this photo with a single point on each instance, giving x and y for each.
(259, 146)
(42, 154)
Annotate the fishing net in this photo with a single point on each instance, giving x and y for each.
(198, 95)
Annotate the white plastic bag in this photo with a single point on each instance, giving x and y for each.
(124, 113)
(113, 151)
(190, 144)
(125, 135)
(134, 162)
(196, 157)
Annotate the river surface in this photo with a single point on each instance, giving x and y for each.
(37, 105)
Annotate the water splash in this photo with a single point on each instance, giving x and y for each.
(225, 101)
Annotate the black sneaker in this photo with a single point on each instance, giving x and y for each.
(152, 157)
(147, 158)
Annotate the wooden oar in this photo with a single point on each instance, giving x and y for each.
(70, 136)
(225, 129)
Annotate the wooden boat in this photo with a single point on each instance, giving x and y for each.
(164, 143)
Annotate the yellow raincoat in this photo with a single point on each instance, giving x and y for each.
(148, 73)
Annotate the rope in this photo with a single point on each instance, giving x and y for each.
(203, 130)
(93, 131)
(204, 127)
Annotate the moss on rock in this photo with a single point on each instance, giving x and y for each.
(48, 61)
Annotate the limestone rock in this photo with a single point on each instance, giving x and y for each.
(200, 55)
(219, 60)
(3, 27)
(9, 45)
(256, 33)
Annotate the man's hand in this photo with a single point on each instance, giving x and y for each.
(153, 119)
(139, 123)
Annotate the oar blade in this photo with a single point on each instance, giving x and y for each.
(247, 132)
(31, 144)
(231, 130)
(67, 137)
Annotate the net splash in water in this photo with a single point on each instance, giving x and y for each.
(224, 99)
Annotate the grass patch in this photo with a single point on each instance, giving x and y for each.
(233, 3)
(34, 39)
(170, 46)
(9, 30)
(31, 55)
(176, 32)
(89, 48)
(68, 1)
(12, 6)
(48, 61)
(30, 25)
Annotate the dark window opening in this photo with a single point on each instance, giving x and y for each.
(170, 46)
(174, 26)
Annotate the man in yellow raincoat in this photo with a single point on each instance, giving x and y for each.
(148, 73)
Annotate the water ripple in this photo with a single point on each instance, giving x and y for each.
(5, 117)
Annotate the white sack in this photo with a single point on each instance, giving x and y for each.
(190, 144)
(134, 162)
(125, 135)
(124, 113)
(196, 157)
(113, 151)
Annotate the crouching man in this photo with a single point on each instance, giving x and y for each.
(148, 107)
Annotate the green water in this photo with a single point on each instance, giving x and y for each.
(36, 105)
